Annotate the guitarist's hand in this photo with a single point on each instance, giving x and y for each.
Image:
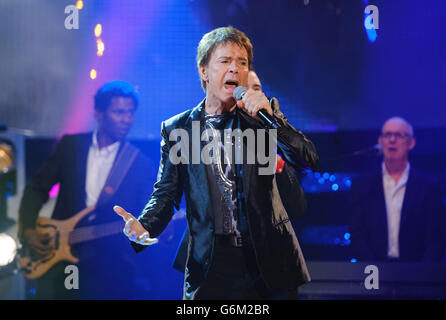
(38, 242)
(133, 228)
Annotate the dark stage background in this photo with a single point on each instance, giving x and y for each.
(317, 58)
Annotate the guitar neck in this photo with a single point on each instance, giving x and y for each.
(95, 232)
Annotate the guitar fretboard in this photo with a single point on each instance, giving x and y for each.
(95, 232)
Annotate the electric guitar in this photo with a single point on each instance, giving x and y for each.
(62, 234)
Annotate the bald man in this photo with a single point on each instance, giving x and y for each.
(398, 213)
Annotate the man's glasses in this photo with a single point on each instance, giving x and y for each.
(396, 135)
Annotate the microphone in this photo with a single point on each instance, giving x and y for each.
(374, 149)
(239, 93)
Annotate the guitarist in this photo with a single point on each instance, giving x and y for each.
(92, 170)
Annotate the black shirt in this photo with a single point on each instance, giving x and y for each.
(221, 171)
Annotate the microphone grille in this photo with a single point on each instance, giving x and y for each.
(239, 92)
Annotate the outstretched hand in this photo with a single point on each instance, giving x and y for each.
(133, 229)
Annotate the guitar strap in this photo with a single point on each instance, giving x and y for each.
(117, 173)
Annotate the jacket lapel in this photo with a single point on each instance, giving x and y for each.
(410, 198)
(82, 147)
(198, 171)
(380, 213)
(196, 167)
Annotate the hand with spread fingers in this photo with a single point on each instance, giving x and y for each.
(133, 229)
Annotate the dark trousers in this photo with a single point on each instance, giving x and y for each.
(234, 275)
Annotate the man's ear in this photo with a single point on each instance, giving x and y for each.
(203, 73)
(98, 115)
(412, 143)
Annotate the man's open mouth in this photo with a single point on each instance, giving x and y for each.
(230, 84)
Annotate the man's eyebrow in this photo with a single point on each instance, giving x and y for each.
(225, 57)
(403, 132)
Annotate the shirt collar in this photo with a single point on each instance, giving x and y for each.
(404, 176)
(108, 149)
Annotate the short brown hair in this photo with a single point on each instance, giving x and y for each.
(213, 38)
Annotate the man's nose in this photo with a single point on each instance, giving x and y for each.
(127, 118)
(233, 66)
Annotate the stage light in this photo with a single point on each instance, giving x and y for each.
(348, 183)
(98, 30)
(7, 157)
(8, 249)
(371, 34)
(7, 181)
(54, 190)
(335, 187)
(79, 5)
(101, 47)
(93, 74)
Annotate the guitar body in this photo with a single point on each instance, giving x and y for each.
(59, 231)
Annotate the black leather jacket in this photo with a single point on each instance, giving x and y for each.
(277, 250)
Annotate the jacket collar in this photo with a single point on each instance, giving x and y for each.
(195, 114)
(246, 122)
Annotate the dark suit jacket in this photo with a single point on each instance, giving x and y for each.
(421, 235)
(67, 165)
(278, 253)
(291, 194)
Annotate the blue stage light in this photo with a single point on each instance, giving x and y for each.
(370, 28)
